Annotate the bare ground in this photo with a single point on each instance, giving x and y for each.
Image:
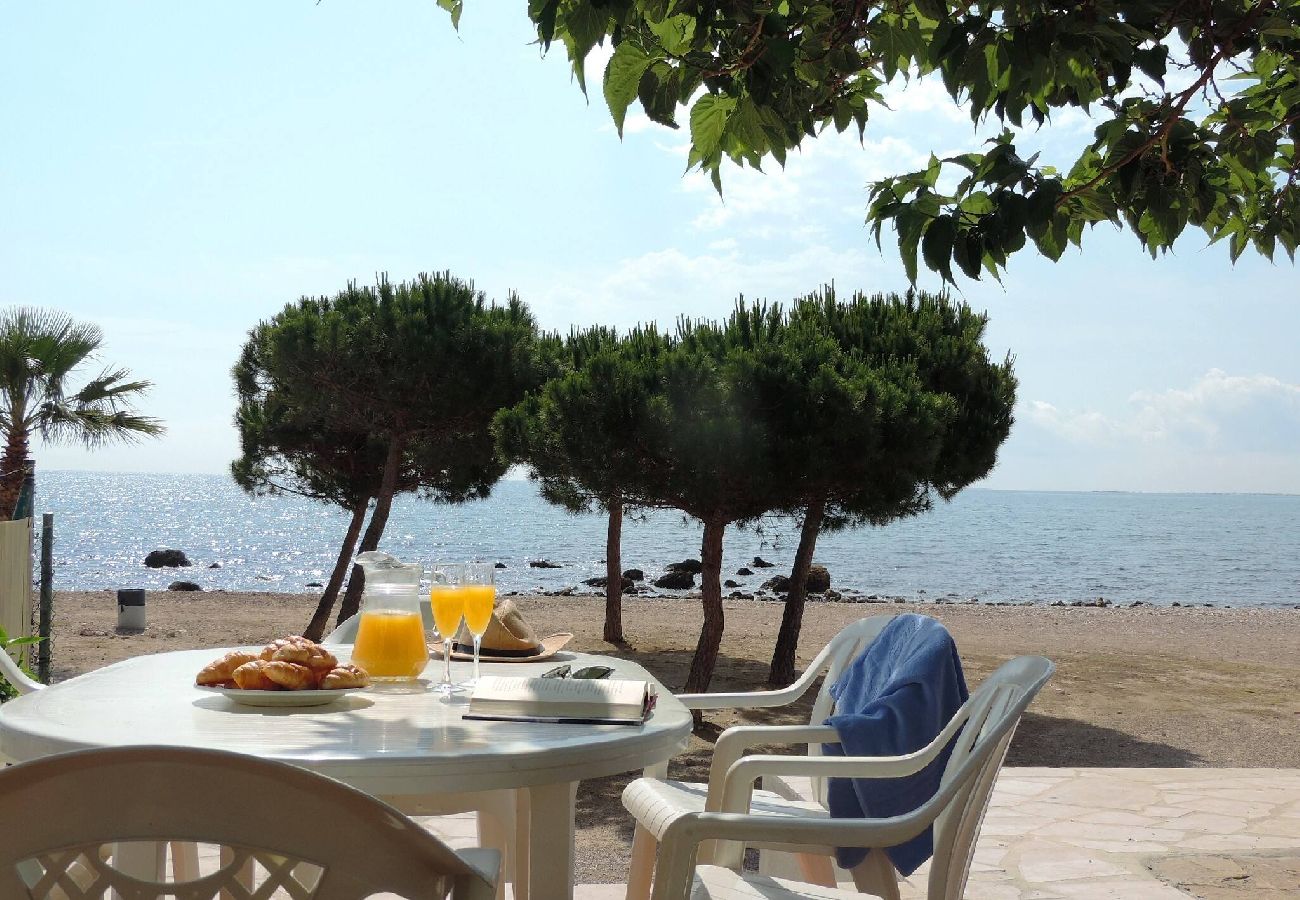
(1134, 687)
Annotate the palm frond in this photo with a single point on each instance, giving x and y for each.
(95, 427)
(110, 387)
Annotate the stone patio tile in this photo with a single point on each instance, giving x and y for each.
(1100, 832)
(1241, 808)
(1038, 772)
(1117, 817)
(1167, 812)
(1025, 787)
(1013, 826)
(1120, 846)
(1098, 793)
(1121, 889)
(1209, 822)
(1063, 863)
(1053, 810)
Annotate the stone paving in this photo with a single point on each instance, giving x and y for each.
(1067, 834)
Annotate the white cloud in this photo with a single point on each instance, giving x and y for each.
(1256, 413)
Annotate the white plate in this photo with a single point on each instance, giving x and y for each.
(281, 698)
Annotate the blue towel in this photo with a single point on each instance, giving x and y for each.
(894, 699)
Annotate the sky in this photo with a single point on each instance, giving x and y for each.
(178, 172)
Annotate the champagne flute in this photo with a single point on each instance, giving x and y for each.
(479, 590)
(448, 605)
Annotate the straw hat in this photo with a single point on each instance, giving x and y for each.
(509, 638)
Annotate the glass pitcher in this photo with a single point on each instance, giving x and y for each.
(390, 635)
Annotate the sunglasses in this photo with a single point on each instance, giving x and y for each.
(565, 671)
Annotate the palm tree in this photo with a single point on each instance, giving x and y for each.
(39, 350)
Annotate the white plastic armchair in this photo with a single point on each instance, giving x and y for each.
(715, 837)
(809, 796)
(304, 836)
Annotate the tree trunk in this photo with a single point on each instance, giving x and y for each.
(374, 530)
(13, 468)
(706, 650)
(781, 671)
(614, 575)
(316, 627)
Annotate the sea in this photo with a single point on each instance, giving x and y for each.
(986, 545)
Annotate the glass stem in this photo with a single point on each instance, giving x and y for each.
(446, 661)
(477, 639)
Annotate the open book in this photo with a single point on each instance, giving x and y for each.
(584, 701)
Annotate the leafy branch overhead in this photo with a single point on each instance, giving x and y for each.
(1197, 104)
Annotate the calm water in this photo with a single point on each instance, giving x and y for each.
(993, 545)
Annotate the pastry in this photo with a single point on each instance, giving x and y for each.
(269, 651)
(306, 653)
(252, 676)
(221, 672)
(290, 676)
(344, 677)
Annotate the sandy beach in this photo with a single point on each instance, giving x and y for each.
(1134, 687)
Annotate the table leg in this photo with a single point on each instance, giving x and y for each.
(550, 841)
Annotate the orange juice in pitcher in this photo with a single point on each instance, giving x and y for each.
(390, 634)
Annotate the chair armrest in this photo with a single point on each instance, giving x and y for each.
(746, 699)
(733, 743)
(738, 782)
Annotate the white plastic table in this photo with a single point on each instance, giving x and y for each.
(388, 744)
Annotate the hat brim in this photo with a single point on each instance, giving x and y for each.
(550, 645)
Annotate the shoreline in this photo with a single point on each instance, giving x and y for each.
(847, 596)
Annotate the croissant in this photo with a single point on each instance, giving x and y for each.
(290, 676)
(306, 653)
(221, 673)
(252, 676)
(269, 651)
(345, 677)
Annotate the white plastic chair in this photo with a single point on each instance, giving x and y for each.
(303, 834)
(731, 745)
(501, 816)
(185, 857)
(688, 827)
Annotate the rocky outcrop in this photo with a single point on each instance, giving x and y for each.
(778, 583)
(742, 571)
(634, 574)
(183, 586)
(818, 580)
(676, 581)
(543, 564)
(693, 566)
(499, 565)
(731, 583)
(166, 559)
(760, 563)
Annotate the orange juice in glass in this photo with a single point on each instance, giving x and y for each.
(448, 604)
(479, 590)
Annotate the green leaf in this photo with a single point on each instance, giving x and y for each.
(937, 246)
(455, 7)
(709, 121)
(622, 78)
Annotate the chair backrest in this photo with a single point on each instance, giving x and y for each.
(308, 836)
(987, 720)
(851, 641)
(16, 676)
(845, 647)
(346, 632)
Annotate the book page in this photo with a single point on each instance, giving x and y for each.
(587, 691)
